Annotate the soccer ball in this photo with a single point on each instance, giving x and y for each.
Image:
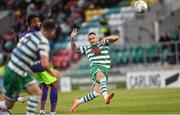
(140, 6)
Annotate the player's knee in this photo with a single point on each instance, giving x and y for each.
(37, 92)
(34, 90)
(9, 105)
(96, 93)
(102, 79)
(100, 76)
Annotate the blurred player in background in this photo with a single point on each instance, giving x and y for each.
(34, 24)
(45, 79)
(18, 75)
(99, 58)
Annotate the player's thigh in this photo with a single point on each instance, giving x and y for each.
(34, 89)
(98, 72)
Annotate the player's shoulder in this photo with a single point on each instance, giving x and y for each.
(41, 37)
(22, 34)
(24, 37)
(27, 32)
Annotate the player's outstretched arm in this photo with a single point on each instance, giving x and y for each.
(109, 39)
(46, 65)
(73, 44)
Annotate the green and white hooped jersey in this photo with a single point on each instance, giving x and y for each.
(97, 55)
(28, 49)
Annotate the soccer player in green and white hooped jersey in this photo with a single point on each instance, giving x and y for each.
(99, 58)
(46, 80)
(18, 75)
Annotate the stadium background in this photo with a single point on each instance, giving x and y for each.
(147, 56)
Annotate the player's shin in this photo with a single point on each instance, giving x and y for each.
(32, 105)
(103, 88)
(88, 97)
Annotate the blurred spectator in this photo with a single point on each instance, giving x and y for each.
(45, 12)
(8, 46)
(174, 46)
(75, 57)
(81, 3)
(31, 9)
(3, 59)
(76, 16)
(60, 17)
(51, 2)
(164, 39)
(65, 28)
(165, 47)
(9, 40)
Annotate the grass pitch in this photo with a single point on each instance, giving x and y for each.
(149, 101)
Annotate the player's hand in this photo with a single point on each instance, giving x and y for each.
(74, 33)
(56, 73)
(103, 41)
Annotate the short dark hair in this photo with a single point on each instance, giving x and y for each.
(91, 33)
(49, 25)
(30, 18)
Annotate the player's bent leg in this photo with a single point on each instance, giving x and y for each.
(5, 106)
(34, 99)
(44, 95)
(101, 78)
(34, 89)
(86, 98)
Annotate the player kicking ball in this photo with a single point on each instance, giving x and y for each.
(99, 58)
